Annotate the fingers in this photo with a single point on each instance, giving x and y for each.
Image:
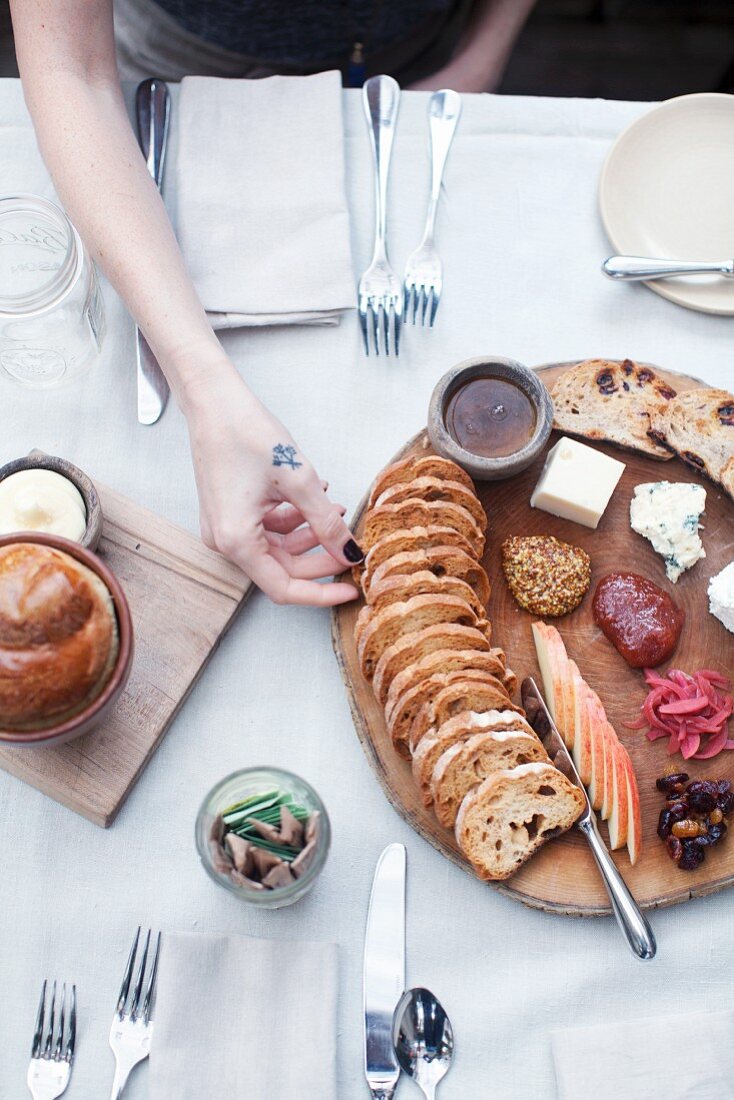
(282, 588)
(285, 518)
(308, 566)
(326, 521)
(297, 542)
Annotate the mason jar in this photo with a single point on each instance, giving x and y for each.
(51, 310)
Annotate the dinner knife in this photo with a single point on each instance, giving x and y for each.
(153, 108)
(642, 268)
(384, 970)
(635, 926)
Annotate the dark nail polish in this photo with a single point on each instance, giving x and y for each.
(353, 553)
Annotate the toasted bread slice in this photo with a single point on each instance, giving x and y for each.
(614, 402)
(442, 561)
(407, 541)
(468, 763)
(458, 728)
(426, 466)
(444, 661)
(479, 697)
(413, 512)
(378, 630)
(399, 718)
(699, 426)
(435, 488)
(403, 587)
(511, 814)
(413, 647)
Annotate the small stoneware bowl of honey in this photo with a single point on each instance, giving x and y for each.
(493, 416)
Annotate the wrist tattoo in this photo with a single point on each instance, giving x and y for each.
(285, 455)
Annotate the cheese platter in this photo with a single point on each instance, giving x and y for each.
(581, 633)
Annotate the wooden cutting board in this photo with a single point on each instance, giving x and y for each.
(183, 598)
(562, 877)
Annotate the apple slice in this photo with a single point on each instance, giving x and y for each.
(553, 662)
(634, 816)
(599, 723)
(582, 745)
(574, 684)
(619, 817)
(610, 747)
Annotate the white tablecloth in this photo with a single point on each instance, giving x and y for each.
(522, 243)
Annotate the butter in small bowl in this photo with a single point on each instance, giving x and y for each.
(48, 495)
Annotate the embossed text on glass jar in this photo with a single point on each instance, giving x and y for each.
(51, 312)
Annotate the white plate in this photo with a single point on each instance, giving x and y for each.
(667, 190)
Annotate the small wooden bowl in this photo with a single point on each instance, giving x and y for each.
(100, 707)
(479, 467)
(37, 460)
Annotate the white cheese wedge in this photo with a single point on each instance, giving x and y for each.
(667, 514)
(721, 596)
(577, 482)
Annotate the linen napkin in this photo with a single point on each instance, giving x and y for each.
(262, 215)
(688, 1057)
(244, 1019)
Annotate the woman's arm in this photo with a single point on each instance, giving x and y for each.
(485, 47)
(66, 56)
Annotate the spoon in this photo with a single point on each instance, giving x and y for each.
(423, 1038)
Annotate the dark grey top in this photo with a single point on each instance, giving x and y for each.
(302, 31)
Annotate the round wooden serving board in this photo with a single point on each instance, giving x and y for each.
(562, 877)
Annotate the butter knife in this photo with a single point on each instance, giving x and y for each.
(631, 920)
(384, 971)
(153, 108)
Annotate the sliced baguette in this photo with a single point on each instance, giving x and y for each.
(442, 561)
(436, 488)
(409, 468)
(699, 426)
(379, 630)
(401, 587)
(401, 708)
(413, 647)
(459, 728)
(477, 696)
(609, 401)
(468, 763)
(408, 540)
(413, 512)
(511, 814)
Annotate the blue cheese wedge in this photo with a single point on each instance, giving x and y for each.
(667, 514)
(721, 596)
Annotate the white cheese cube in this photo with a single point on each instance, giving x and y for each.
(721, 596)
(577, 482)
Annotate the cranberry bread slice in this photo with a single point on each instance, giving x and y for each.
(699, 426)
(511, 814)
(468, 763)
(456, 729)
(410, 468)
(407, 541)
(614, 402)
(414, 647)
(479, 697)
(400, 718)
(377, 631)
(442, 561)
(435, 488)
(403, 586)
(414, 512)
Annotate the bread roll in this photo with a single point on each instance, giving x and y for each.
(58, 636)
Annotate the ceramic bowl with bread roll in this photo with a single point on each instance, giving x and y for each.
(66, 639)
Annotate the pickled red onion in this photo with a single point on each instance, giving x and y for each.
(691, 711)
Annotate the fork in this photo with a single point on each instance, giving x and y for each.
(380, 290)
(424, 270)
(50, 1068)
(132, 1030)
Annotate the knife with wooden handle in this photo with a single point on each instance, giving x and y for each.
(153, 108)
(384, 971)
